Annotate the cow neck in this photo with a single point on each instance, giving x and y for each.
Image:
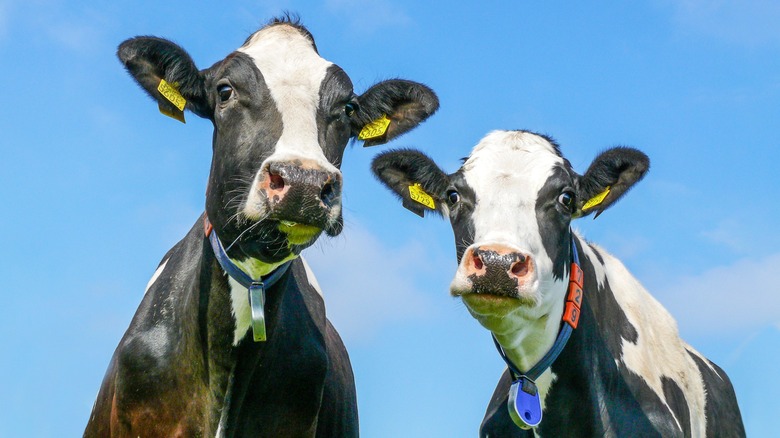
(524, 402)
(255, 287)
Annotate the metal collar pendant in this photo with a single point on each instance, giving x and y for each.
(255, 288)
(524, 401)
(257, 305)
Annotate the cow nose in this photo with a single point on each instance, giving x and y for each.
(492, 268)
(301, 181)
(301, 191)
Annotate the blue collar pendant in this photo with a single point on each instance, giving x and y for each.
(525, 406)
(257, 305)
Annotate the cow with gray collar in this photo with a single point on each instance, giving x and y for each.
(534, 283)
(282, 117)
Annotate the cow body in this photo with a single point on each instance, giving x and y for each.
(624, 371)
(188, 364)
(176, 371)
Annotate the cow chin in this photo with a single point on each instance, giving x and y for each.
(272, 241)
(496, 304)
(496, 296)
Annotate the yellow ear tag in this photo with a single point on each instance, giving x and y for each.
(375, 129)
(170, 92)
(418, 195)
(596, 200)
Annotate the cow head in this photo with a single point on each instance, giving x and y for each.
(282, 118)
(510, 206)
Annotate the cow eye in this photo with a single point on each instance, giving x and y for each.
(566, 199)
(224, 91)
(350, 108)
(453, 197)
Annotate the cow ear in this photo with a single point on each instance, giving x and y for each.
(391, 108)
(167, 73)
(608, 178)
(414, 178)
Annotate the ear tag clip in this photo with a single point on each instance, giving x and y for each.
(418, 195)
(257, 305)
(524, 405)
(375, 129)
(596, 200)
(171, 93)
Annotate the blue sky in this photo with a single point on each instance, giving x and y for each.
(96, 185)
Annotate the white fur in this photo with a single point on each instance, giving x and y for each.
(657, 338)
(293, 72)
(156, 274)
(239, 300)
(312, 279)
(506, 170)
(239, 295)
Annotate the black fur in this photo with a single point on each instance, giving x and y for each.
(399, 169)
(406, 103)
(149, 59)
(619, 168)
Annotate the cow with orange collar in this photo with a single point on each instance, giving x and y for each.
(589, 351)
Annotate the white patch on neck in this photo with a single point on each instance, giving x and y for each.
(598, 268)
(659, 351)
(239, 300)
(528, 340)
(312, 279)
(156, 274)
(239, 295)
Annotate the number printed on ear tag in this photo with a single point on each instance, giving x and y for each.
(525, 406)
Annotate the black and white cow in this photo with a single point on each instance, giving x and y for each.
(282, 118)
(624, 371)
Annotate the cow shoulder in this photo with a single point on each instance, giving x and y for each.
(671, 391)
(152, 366)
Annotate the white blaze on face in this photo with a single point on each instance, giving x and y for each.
(293, 73)
(506, 170)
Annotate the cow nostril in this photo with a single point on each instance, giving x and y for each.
(520, 268)
(477, 262)
(276, 181)
(328, 194)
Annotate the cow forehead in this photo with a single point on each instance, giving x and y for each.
(510, 163)
(286, 57)
(293, 72)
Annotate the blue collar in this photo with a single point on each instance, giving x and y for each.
(256, 288)
(524, 404)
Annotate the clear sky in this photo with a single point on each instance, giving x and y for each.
(96, 185)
